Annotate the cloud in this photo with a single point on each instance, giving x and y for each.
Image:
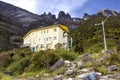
(29, 5)
(53, 6)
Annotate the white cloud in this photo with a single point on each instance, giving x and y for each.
(53, 6)
(25, 4)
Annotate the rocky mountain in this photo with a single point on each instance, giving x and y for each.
(22, 18)
(108, 12)
(15, 22)
(89, 37)
(26, 20)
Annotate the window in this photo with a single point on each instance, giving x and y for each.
(55, 30)
(54, 37)
(47, 31)
(44, 31)
(41, 32)
(49, 38)
(46, 39)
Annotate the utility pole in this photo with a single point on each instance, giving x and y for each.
(104, 37)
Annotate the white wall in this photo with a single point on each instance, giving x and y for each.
(49, 36)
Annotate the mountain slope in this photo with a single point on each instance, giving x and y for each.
(89, 38)
(15, 21)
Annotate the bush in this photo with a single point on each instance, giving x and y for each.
(43, 59)
(66, 55)
(19, 67)
(4, 60)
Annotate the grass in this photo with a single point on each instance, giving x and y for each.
(5, 77)
(34, 73)
(58, 71)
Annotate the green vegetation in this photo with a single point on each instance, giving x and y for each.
(89, 38)
(23, 61)
(66, 55)
(101, 61)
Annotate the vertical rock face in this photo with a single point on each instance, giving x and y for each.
(62, 15)
(108, 12)
(48, 16)
(86, 16)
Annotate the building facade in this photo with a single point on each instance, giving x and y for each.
(49, 37)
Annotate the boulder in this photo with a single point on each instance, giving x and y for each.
(58, 77)
(69, 79)
(67, 63)
(86, 57)
(88, 76)
(10, 73)
(84, 70)
(70, 72)
(109, 51)
(79, 64)
(112, 68)
(57, 65)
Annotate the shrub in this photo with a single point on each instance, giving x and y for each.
(7, 78)
(18, 67)
(65, 54)
(4, 60)
(44, 59)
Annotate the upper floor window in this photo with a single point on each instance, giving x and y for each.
(41, 32)
(44, 31)
(47, 31)
(55, 30)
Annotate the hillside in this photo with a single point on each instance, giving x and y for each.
(16, 22)
(89, 37)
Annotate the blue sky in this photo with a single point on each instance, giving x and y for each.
(75, 7)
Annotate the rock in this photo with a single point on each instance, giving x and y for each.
(67, 63)
(109, 51)
(86, 57)
(81, 76)
(108, 12)
(99, 74)
(112, 68)
(69, 79)
(69, 72)
(118, 75)
(58, 77)
(73, 66)
(79, 64)
(104, 77)
(10, 73)
(48, 16)
(62, 15)
(88, 76)
(93, 76)
(57, 65)
(84, 70)
(86, 16)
